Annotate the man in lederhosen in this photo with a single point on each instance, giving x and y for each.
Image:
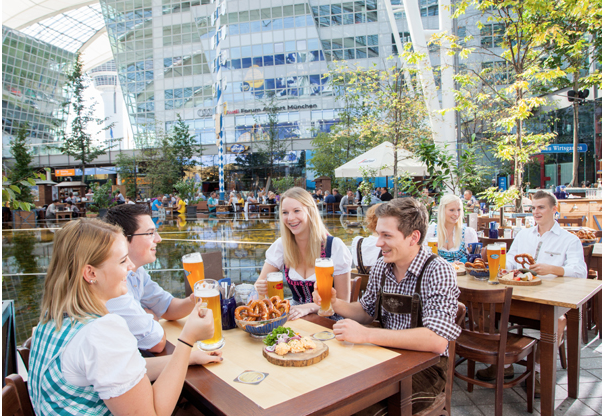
(406, 265)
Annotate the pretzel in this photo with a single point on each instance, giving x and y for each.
(283, 306)
(524, 259)
(245, 313)
(477, 264)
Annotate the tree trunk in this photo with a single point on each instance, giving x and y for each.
(518, 168)
(576, 153)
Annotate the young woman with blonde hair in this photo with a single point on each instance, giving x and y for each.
(453, 235)
(83, 359)
(304, 238)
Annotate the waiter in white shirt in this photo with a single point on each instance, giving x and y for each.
(556, 252)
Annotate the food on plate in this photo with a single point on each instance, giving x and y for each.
(262, 310)
(457, 265)
(516, 275)
(525, 260)
(284, 340)
(477, 264)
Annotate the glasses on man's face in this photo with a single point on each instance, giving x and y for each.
(150, 235)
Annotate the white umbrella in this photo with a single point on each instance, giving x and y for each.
(381, 159)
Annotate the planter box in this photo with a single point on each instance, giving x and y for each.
(191, 211)
(91, 214)
(24, 219)
(102, 212)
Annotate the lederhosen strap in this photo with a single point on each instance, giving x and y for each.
(400, 301)
(362, 269)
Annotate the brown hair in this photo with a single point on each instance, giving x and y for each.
(410, 213)
(552, 200)
(126, 216)
(79, 243)
(371, 219)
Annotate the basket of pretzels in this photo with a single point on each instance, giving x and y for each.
(260, 317)
(478, 269)
(585, 235)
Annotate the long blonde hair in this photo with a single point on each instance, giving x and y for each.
(79, 243)
(458, 228)
(318, 233)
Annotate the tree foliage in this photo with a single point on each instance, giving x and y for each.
(21, 170)
(77, 142)
(127, 168)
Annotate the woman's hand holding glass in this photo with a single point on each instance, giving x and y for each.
(317, 300)
(298, 311)
(199, 325)
(261, 286)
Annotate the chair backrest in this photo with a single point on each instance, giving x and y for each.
(212, 266)
(24, 352)
(481, 313)
(576, 221)
(485, 241)
(355, 288)
(15, 398)
(588, 254)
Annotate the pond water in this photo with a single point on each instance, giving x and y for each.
(243, 240)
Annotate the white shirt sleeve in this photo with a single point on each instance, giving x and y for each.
(574, 265)
(342, 258)
(104, 355)
(275, 254)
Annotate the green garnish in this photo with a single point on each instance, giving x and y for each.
(271, 339)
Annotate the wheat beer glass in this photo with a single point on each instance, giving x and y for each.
(503, 255)
(275, 285)
(493, 251)
(193, 268)
(324, 280)
(432, 242)
(206, 291)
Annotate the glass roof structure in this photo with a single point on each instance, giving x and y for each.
(69, 30)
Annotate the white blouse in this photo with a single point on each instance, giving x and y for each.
(104, 355)
(340, 254)
(370, 252)
(470, 236)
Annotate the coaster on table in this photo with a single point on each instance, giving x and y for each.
(251, 377)
(323, 335)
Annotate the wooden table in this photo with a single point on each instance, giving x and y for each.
(544, 304)
(349, 208)
(63, 215)
(390, 380)
(269, 207)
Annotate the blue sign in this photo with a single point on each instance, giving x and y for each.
(564, 148)
(237, 148)
(502, 183)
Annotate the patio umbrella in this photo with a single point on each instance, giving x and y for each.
(381, 158)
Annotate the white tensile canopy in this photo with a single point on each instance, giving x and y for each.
(381, 158)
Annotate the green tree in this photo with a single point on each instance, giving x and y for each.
(185, 146)
(268, 142)
(575, 44)
(78, 143)
(22, 169)
(127, 168)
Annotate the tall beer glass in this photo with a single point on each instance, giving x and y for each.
(432, 242)
(206, 291)
(493, 251)
(275, 285)
(503, 255)
(324, 280)
(193, 268)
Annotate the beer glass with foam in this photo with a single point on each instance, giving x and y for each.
(432, 242)
(193, 268)
(503, 255)
(206, 291)
(275, 285)
(493, 251)
(324, 270)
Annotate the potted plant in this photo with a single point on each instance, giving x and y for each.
(92, 211)
(102, 198)
(187, 189)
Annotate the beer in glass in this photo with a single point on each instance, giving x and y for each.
(206, 291)
(432, 242)
(275, 285)
(193, 268)
(503, 255)
(493, 251)
(324, 281)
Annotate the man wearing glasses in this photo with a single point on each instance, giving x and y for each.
(145, 301)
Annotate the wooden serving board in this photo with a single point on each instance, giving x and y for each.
(300, 359)
(461, 271)
(537, 281)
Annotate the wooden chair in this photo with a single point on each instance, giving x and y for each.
(571, 222)
(355, 291)
(590, 310)
(332, 207)
(23, 351)
(482, 342)
(15, 398)
(212, 265)
(442, 405)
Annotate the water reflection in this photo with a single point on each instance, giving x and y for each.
(242, 239)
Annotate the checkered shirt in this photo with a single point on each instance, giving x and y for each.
(439, 294)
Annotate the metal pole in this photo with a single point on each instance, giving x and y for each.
(220, 86)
